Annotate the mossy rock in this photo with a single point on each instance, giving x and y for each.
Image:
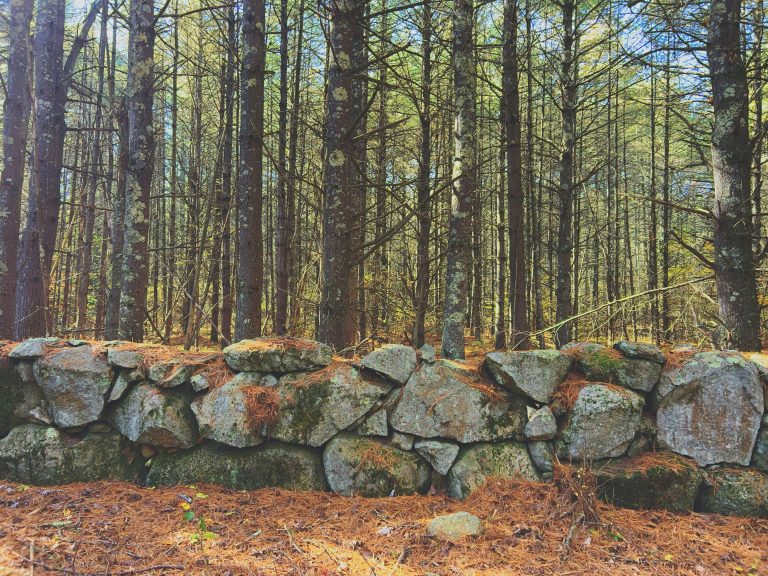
(475, 464)
(734, 492)
(272, 465)
(649, 481)
(36, 454)
(280, 355)
(360, 466)
(602, 364)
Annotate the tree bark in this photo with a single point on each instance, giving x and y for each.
(138, 180)
(15, 126)
(731, 160)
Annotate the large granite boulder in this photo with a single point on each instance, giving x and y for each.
(314, 406)
(157, 417)
(37, 454)
(394, 362)
(533, 374)
(18, 397)
(360, 466)
(236, 412)
(279, 355)
(449, 401)
(602, 364)
(649, 481)
(710, 408)
(475, 464)
(734, 492)
(270, 465)
(75, 382)
(602, 423)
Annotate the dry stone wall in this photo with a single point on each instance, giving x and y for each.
(685, 433)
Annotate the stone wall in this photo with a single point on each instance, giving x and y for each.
(689, 432)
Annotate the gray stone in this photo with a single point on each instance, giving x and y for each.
(475, 464)
(32, 349)
(453, 527)
(130, 359)
(121, 385)
(17, 398)
(360, 466)
(199, 382)
(392, 361)
(734, 492)
(314, 407)
(668, 482)
(427, 353)
(534, 374)
(374, 425)
(641, 351)
(270, 465)
(541, 425)
(602, 364)
(440, 455)
(542, 457)
(760, 453)
(75, 382)
(710, 408)
(450, 401)
(35, 454)
(279, 355)
(158, 417)
(603, 422)
(225, 413)
(26, 371)
(170, 373)
(402, 441)
(269, 380)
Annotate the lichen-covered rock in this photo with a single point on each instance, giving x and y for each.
(392, 361)
(441, 455)
(534, 374)
(475, 464)
(37, 454)
(453, 527)
(271, 465)
(541, 425)
(314, 407)
(234, 413)
(652, 481)
(760, 453)
(162, 418)
(427, 353)
(601, 424)
(542, 457)
(281, 355)
(641, 351)
(17, 398)
(32, 349)
(124, 358)
(602, 364)
(75, 382)
(170, 373)
(734, 492)
(447, 400)
(368, 467)
(710, 408)
(374, 425)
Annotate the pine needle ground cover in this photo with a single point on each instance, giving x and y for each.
(530, 529)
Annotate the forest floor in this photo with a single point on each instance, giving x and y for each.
(531, 529)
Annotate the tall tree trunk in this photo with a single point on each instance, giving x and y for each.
(138, 180)
(731, 161)
(15, 126)
(341, 203)
(423, 186)
(515, 198)
(282, 256)
(464, 181)
(569, 90)
(250, 260)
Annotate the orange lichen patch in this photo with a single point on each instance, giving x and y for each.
(261, 405)
(115, 527)
(377, 457)
(645, 461)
